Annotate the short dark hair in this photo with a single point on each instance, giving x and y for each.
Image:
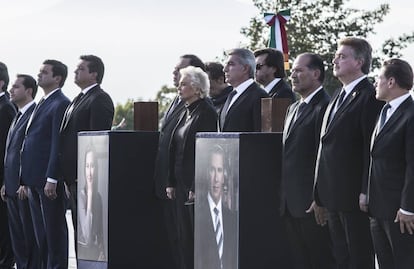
(401, 71)
(4, 76)
(194, 61)
(215, 70)
(95, 64)
(274, 58)
(58, 69)
(362, 50)
(29, 82)
(315, 62)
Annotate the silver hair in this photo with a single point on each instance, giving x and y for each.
(199, 79)
(246, 58)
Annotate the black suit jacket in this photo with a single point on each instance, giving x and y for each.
(162, 162)
(300, 148)
(282, 90)
(206, 254)
(7, 113)
(391, 182)
(245, 114)
(94, 112)
(12, 156)
(343, 157)
(203, 119)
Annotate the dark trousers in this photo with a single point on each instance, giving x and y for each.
(394, 250)
(170, 221)
(73, 203)
(351, 239)
(310, 243)
(185, 229)
(6, 253)
(22, 234)
(50, 227)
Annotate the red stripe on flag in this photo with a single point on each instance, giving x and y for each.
(282, 22)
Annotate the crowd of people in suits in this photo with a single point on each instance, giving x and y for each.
(39, 143)
(346, 181)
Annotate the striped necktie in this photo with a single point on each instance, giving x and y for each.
(218, 229)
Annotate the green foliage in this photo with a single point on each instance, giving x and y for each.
(316, 26)
(164, 98)
(124, 111)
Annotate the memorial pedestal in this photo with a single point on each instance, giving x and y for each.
(129, 231)
(248, 191)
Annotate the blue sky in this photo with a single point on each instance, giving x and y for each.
(140, 40)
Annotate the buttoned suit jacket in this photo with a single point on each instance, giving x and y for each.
(94, 112)
(7, 113)
(391, 182)
(12, 157)
(245, 113)
(300, 148)
(162, 163)
(39, 157)
(343, 156)
(282, 90)
(205, 250)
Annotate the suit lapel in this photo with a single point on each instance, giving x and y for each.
(239, 100)
(289, 119)
(352, 96)
(23, 119)
(391, 121)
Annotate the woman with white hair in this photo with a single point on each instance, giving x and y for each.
(199, 116)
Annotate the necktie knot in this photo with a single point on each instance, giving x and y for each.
(383, 116)
(216, 211)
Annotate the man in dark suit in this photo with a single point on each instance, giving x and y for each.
(7, 112)
(219, 89)
(343, 156)
(270, 72)
(242, 110)
(308, 235)
(22, 93)
(391, 182)
(40, 167)
(215, 225)
(162, 163)
(91, 110)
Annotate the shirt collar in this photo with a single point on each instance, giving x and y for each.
(395, 103)
(348, 88)
(270, 86)
(212, 204)
(310, 96)
(49, 94)
(26, 107)
(85, 91)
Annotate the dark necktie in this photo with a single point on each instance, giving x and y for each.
(69, 110)
(341, 98)
(383, 116)
(34, 113)
(337, 105)
(298, 112)
(226, 107)
(15, 120)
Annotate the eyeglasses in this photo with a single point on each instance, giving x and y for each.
(259, 66)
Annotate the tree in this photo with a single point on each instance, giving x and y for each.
(164, 98)
(316, 26)
(124, 111)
